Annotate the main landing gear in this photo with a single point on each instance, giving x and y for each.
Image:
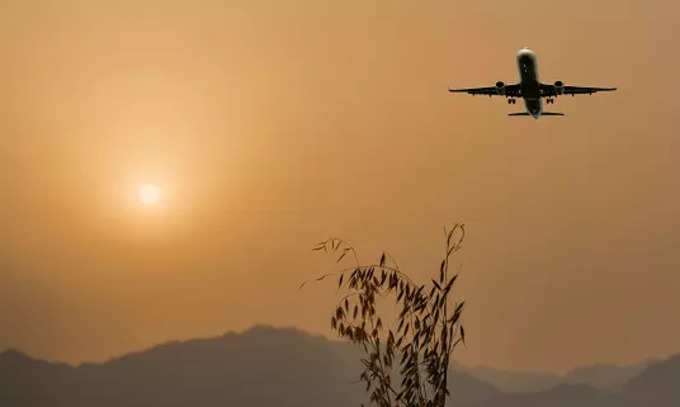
(512, 101)
(550, 101)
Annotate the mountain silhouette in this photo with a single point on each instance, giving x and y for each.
(511, 381)
(658, 385)
(564, 395)
(267, 366)
(606, 377)
(262, 366)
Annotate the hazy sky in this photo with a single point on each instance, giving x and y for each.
(271, 125)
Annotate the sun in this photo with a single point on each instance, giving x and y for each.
(149, 194)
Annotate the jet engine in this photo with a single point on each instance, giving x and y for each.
(559, 85)
(500, 87)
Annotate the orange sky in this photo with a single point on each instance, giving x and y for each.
(271, 126)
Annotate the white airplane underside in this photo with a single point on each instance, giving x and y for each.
(530, 88)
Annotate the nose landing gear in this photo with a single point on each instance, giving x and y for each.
(512, 101)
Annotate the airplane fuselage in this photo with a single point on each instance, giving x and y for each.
(529, 83)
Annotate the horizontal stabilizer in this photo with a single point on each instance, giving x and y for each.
(542, 114)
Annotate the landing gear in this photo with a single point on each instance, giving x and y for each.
(550, 101)
(512, 101)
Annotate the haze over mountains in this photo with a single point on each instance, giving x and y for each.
(603, 377)
(266, 366)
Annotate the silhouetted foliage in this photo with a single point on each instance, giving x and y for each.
(406, 365)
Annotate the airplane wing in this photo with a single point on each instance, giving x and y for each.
(506, 90)
(552, 90)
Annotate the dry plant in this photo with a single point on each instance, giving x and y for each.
(405, 365)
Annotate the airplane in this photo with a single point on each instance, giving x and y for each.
(530, 88)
